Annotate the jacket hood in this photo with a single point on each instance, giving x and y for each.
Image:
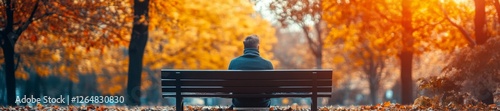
(251, 52)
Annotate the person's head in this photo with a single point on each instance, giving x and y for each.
(251, 41)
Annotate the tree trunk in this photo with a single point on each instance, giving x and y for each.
(319, 58)
(137, 45)
(8, 52)
(10, 78)
(406, 56)
(319, 49)
(8, 38)
(373, 90)
(406, 77)
(373, 77)
(480, 22)
(347, 93)
(2, 92)
(481, 38)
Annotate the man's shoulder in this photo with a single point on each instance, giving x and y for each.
(268, 61)
(254, 63)
(270, 64)
(236, 58)
(248, 59)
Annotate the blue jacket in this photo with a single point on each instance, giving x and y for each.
(250, 60)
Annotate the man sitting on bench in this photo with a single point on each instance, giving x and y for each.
(250, 60)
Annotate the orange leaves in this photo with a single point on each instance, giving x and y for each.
(62, 69)
(33, 38)
(142, 20)
(425, 102)
(157, 65)
(145, 81)
(86, 33)
(20, 73)
(73, 77)
(43, 71)
(56, 57)
(338, 59)
(112, 86)
(386, 104)
(202, 34)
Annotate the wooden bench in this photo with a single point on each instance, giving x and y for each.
(260, 83)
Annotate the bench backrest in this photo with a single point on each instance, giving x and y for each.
(246, 81)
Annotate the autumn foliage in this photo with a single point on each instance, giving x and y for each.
(203, 34)
(85, 42)
(474, 81)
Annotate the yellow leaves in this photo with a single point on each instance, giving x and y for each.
(43, 71)
(112, 85)
(145, 81)
(338, 59)
(157, 65)
(56, 56)
(45, 52)
(359, 62)
(386, 104)
(62, 69)
(203, 34)
(142, 20)
(349, 46)
(73, 77)
(379, 41)
(20, 73)
(285, 101)
(115, 89)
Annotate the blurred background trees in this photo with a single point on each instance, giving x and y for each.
(377, 49)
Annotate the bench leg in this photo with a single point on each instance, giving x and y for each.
(179, 106)
(314, 104)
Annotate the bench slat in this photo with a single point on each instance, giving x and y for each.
(246, 74)
(247, 89)
(246, 83)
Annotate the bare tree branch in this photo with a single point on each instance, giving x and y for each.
(462, 30)
(43, 16)
(319, 32)
(9, 13)
(429, 24)
(381, 66)
(330, 6)
(17, 23)
(18, 61)
(386, 18)
(312, 44)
